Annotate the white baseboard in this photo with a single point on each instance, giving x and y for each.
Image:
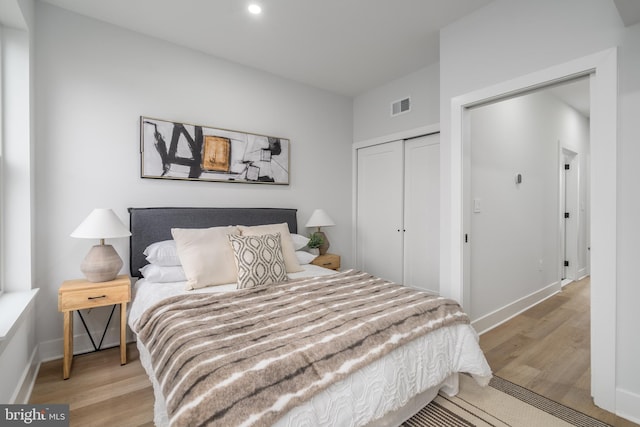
(582, 273)
(22, 393)
(501, 315)
(628, 405)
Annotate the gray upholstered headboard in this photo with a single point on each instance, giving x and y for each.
(150, 225)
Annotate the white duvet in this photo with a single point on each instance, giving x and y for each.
(386, 385)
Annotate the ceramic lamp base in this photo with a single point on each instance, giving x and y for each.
(101, 264)
(324, 247)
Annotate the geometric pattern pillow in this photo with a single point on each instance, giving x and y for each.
(288, 249)
(259, 260)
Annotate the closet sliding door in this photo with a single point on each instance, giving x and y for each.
(379, 210)
(398, 211)
(422, 213)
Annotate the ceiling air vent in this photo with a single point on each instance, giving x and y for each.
(401, 106)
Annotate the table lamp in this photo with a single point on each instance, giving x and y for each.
(319, 218)
(102, 263)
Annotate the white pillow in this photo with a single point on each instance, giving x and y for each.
(206, 255)
(288, 252)
(305, 257)
(162, 253)
(299, 241)
(259, 260)
(161, 274)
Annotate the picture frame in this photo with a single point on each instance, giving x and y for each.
(175, 150)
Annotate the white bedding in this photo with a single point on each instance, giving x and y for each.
(386, 385)
(145, 293)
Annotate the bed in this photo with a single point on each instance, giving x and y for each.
(383, 386)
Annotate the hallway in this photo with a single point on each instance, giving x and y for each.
(547, 350)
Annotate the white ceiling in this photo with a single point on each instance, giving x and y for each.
(629, 11)
(344, 46)
(10, 14)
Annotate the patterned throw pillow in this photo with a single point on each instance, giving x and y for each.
(288, 249)
(259, 260)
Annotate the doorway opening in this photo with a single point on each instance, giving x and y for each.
(602, 67)
(527, 155)
(528, 211)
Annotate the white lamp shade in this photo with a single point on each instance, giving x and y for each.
(319, 218)
(101, 224)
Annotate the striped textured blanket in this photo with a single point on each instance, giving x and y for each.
(247, 357)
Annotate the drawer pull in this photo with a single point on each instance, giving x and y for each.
(101, 296)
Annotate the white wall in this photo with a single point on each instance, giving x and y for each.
(514, 237)
(93, 82)
(372, 109)
(628, 226)
(19, 359)
(509, 39)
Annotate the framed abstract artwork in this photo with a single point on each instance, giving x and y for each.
(173, 150)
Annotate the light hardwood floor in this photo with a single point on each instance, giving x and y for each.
(546, 349)
(99, 392)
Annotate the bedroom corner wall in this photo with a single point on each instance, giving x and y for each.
(372, 109)
(94, 81)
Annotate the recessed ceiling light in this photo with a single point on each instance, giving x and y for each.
(255, 9)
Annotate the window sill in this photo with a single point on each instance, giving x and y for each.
(13, 305)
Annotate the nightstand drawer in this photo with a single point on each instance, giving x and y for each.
(330, 261)
(77, 295)
(93, 298)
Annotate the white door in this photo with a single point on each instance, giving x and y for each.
(422, 213)
(570, 215)
(379, 210)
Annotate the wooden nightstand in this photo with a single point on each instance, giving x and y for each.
(81, 294)
(331, 261)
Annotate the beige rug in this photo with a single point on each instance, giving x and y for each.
(499, 405)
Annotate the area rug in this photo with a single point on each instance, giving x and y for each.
(501, 404)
